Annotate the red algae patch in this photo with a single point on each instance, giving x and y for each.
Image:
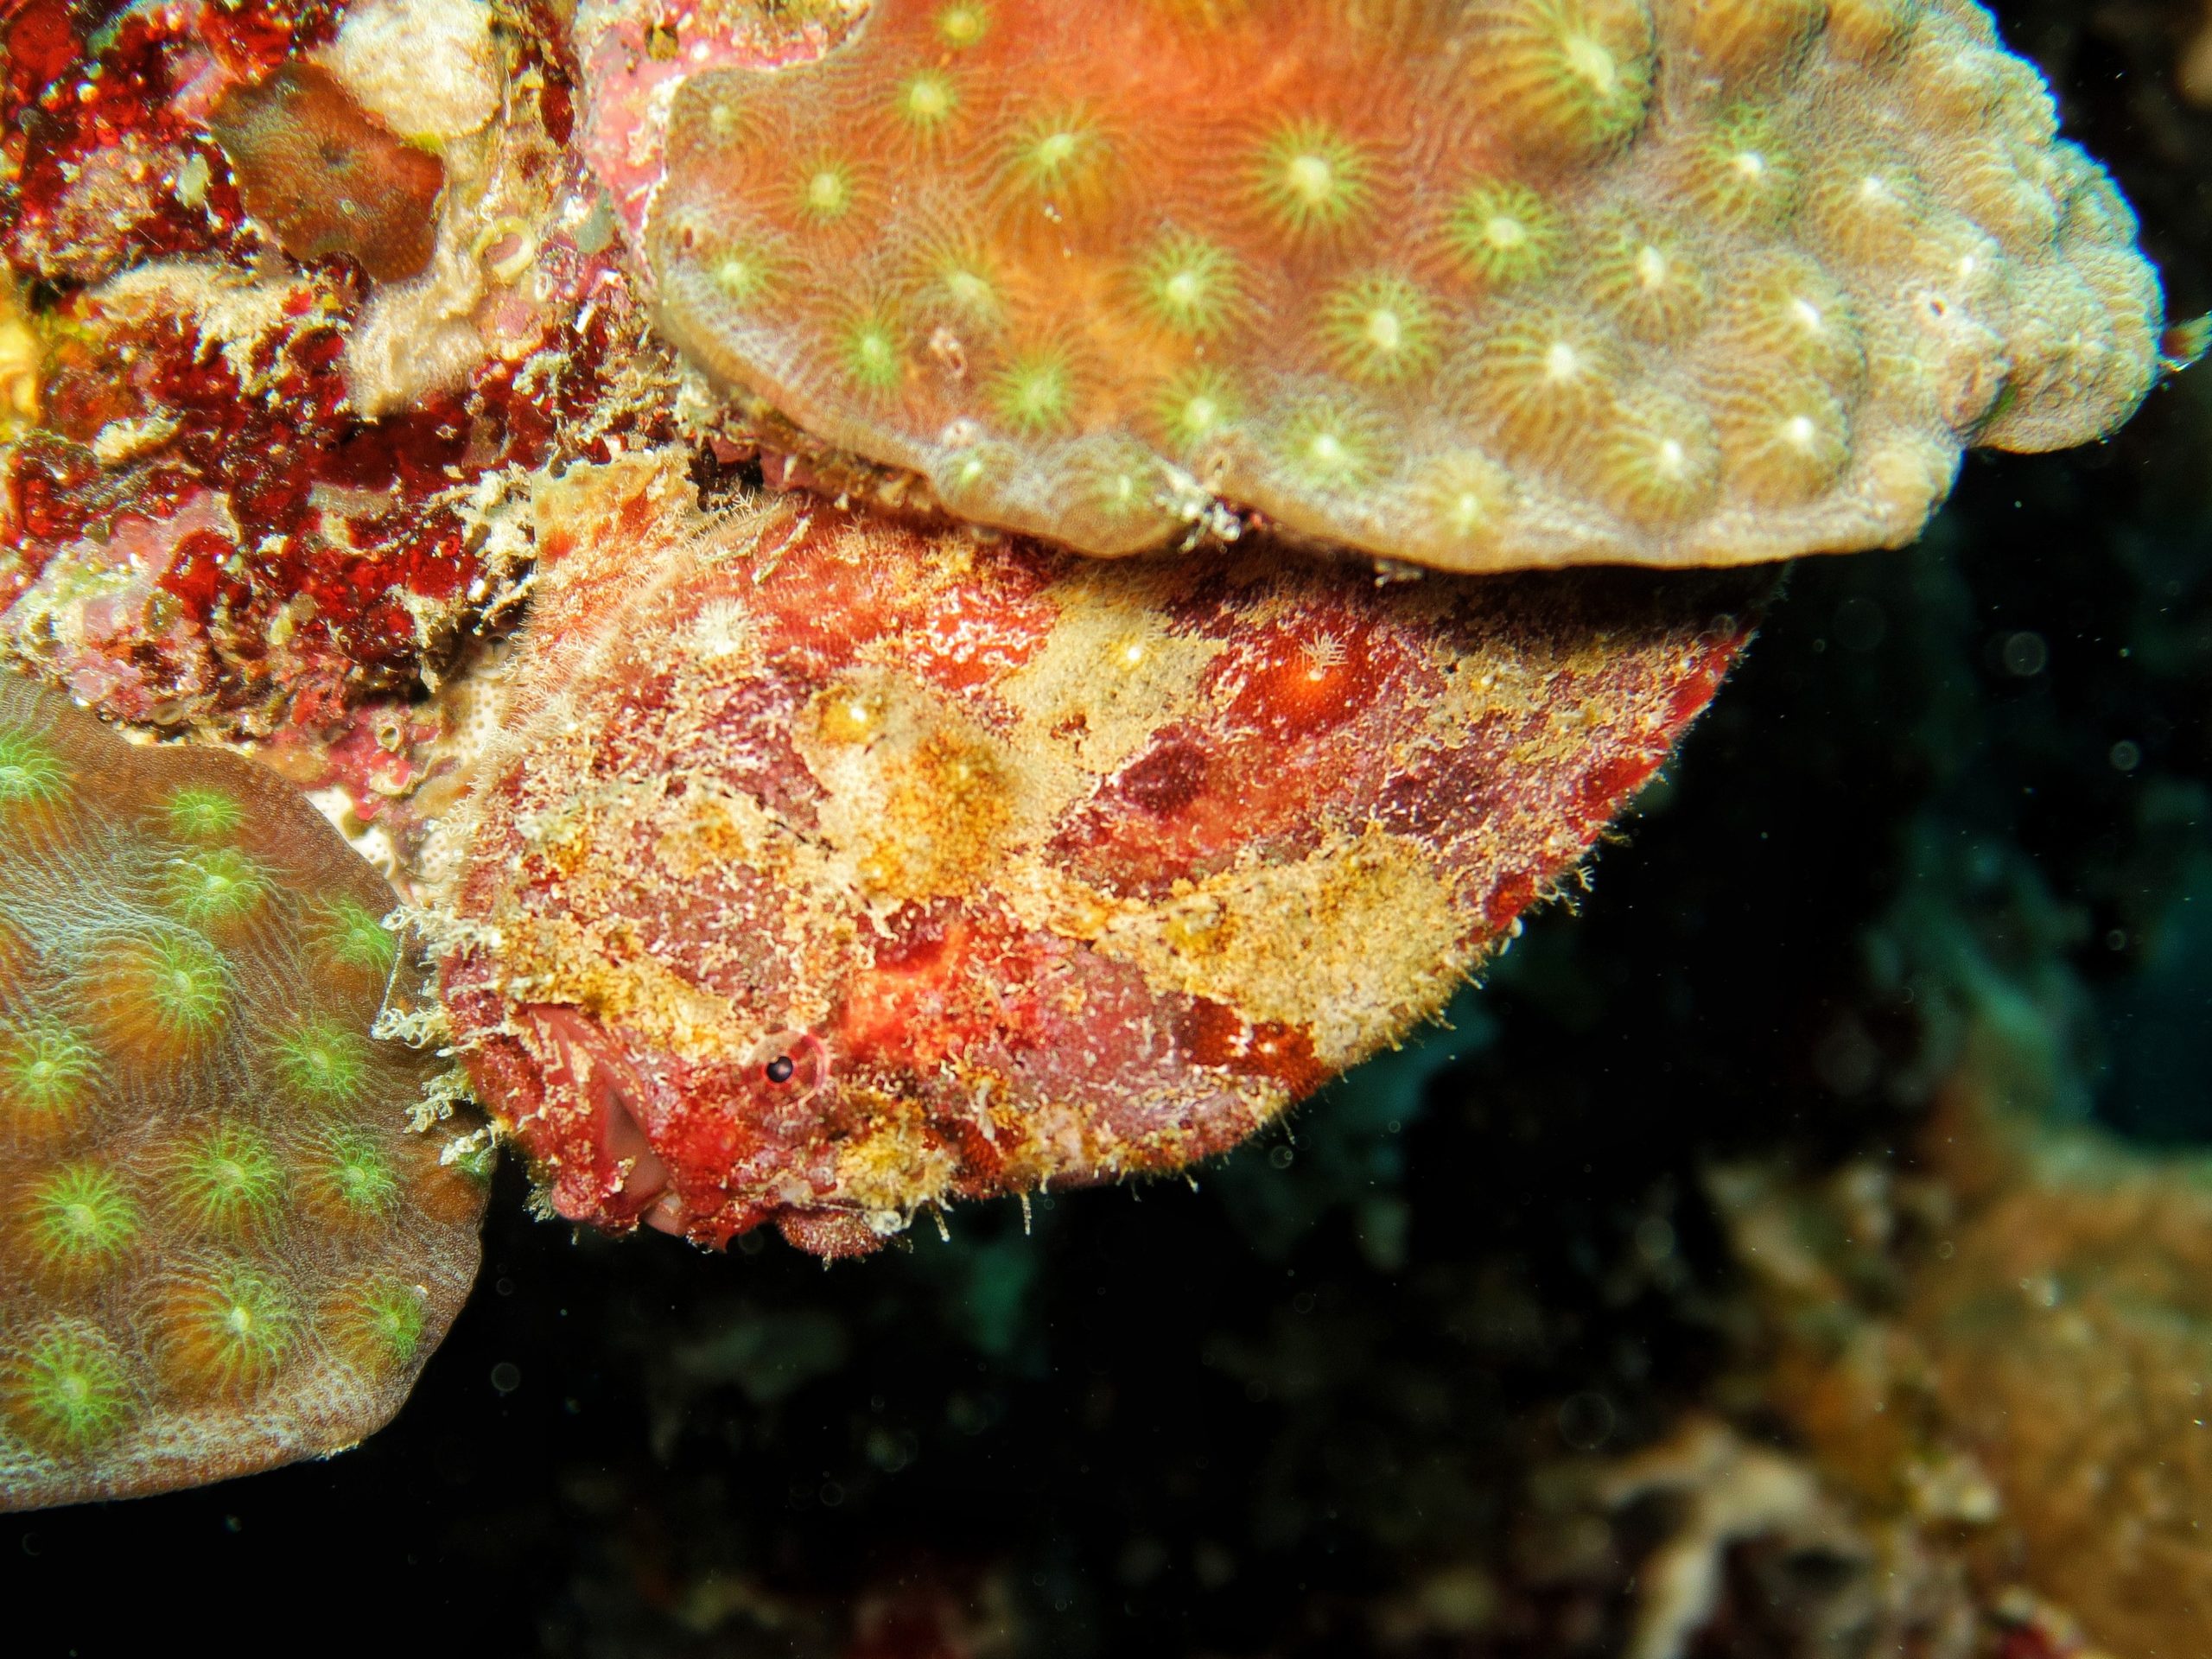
(826, 869)
(251, 479)
(225, 1244)
(1479, 285)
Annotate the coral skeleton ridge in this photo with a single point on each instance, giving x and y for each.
(1477, 284)
(223, 1246)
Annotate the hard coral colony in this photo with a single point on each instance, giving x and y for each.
(832, 855)
(225, 1247)
(1477, 286)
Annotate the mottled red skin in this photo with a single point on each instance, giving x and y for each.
(392, 580)
(956, 1011)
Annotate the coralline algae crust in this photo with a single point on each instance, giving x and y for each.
(258, 493)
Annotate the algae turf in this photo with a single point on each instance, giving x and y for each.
(1329, 1402)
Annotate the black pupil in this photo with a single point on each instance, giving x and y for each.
(780, 1069)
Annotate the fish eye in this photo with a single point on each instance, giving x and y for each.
(779, 1070)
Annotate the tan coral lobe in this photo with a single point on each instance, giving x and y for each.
(1265, 257)
(193, 970)
(829, 869)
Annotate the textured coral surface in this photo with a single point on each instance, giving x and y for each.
(2069, 1341)
(223, 1246)
(1477, 283)
(827, 869)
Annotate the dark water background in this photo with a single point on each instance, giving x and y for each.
(1244, 1418)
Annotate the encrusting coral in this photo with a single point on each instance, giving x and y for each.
(327, 175)
(827, 869)
(1478, 285)
(225, 1247)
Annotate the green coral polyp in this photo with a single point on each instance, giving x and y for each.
(324, 1060)
(48, 1072)
(357, 938)
(377, 1325)
(1326, 448)
(229, 1181)
(927, 100)
(962, 279)
(745, 275)
(1190, 285)
(1313, 179)
(82, 1218)
(873, 354)
(213, 888)
(1463, 494)
(1058, 152)
(1198, 406)
(1034, 393)
(185, 992)
(31, 773)
(68, 1390)
(1505, 233)
(1748, 176)
(827, 191)
(1380, 329)
(197, 813)
(224, 1330)
(351, 1173)
(963, 24)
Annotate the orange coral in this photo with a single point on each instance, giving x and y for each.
(1705, 282)
(827, 870)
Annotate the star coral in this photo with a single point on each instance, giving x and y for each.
(225, 1247)
(1698, 283)
(327, 175)
(826, 870)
